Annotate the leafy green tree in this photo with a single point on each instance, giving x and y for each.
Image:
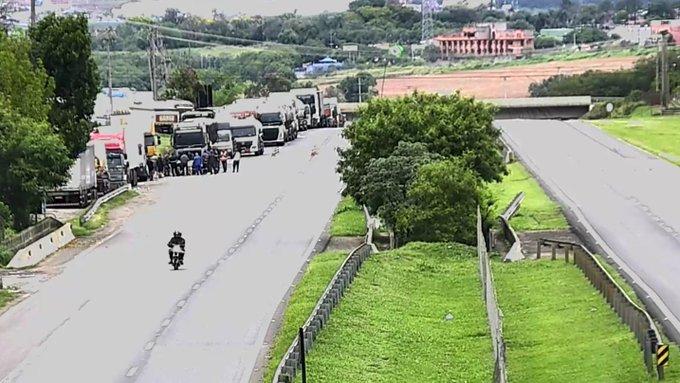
(349, 87)
(442, 204)
(183, 84)
(64, 47)
(28, 88)
(431, 53)
(34, 160)
(387, 180)
(451, 126)
(586, 35)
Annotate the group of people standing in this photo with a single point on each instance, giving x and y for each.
(184, 164)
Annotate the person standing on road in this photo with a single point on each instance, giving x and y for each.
(223, 159)
(184, 162)
(214, 162)
(236, 162)
(198, 164)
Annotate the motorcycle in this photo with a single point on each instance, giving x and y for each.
(177, 258)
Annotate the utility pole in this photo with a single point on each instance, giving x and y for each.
(152, 62)
(359, 77)
(665, 91)
(32, 13)
(109, 37)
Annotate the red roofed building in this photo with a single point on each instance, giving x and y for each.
(671, 27)
(488, 39)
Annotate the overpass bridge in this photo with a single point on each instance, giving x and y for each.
(529, 108)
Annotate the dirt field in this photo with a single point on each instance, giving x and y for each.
(499, 83)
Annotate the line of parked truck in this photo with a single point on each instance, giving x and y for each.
(121, 150)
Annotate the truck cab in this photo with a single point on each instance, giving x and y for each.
(247, 134)
(221, 138)
(190, 138)
(313, 98)
(274, 130)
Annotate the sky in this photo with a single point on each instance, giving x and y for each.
(233, 7)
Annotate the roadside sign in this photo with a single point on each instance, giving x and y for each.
(610, 107)
(396, 50)
(350, 48)
(662, 355)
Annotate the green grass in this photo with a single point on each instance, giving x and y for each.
(658, 135)
(538, 211)
(6, 296)
(349, 219)
(101, 217)
(319, 273)
(558, 328)
(165, 145)
(390, 325)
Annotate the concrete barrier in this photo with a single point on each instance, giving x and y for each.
(32, 254)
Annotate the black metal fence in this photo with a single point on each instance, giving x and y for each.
(493, 311)
(635, 317)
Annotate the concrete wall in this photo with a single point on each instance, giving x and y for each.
(543, 113)
(42, 248)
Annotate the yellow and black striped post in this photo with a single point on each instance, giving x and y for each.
(662, 356)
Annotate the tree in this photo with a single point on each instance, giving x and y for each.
(63, 46)
(442, 204)
(387, 180)
(34, 160)
(431, 53)
(349, 87)
(661, 9)
(28, 88)
(586, 35)
(183, 84)
(451, 126)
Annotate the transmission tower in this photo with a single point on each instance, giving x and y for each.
(427, 9)
(158, 63)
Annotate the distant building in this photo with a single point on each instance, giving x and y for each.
(635, 34)
(671, 27)
(486, 39)
(320, 67)
(555, 33)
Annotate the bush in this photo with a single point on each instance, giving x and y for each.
(543, 42)
(598, 111)
(634, 96)
(626, 108)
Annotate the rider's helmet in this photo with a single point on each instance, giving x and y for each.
(177, 234)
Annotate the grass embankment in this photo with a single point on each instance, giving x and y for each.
(308, 291)
(537, 212)
(390, 326)
(558, 328)
(349, 219)
(6, 296)
(101, 217)
(659, 135)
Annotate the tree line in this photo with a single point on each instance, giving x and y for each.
(47, 93)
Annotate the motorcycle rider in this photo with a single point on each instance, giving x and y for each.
(176, 240)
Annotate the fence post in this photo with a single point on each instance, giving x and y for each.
(303, 360)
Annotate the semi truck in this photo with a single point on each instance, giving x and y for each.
(81, 188)
(313, 98)
(165, 113)
(247, 134)
(273, 120)
(220, 136)
(110, 160)
(191, 137)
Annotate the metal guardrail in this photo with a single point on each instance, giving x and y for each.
(98, 203)
(635, 317)
(31, 234)
(493, 311)
(509, 234)
(292, 359)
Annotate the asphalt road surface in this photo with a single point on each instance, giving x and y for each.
(118, 312)
(625, 198)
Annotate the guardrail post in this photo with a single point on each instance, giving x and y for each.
(303, 360)
(553, 249)
(539, 244)
(566, 255)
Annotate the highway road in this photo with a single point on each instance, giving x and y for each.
(625, 198)
(118, 312)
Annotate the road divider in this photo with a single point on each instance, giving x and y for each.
(292, 360)
(493, 311)
(98, 203)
